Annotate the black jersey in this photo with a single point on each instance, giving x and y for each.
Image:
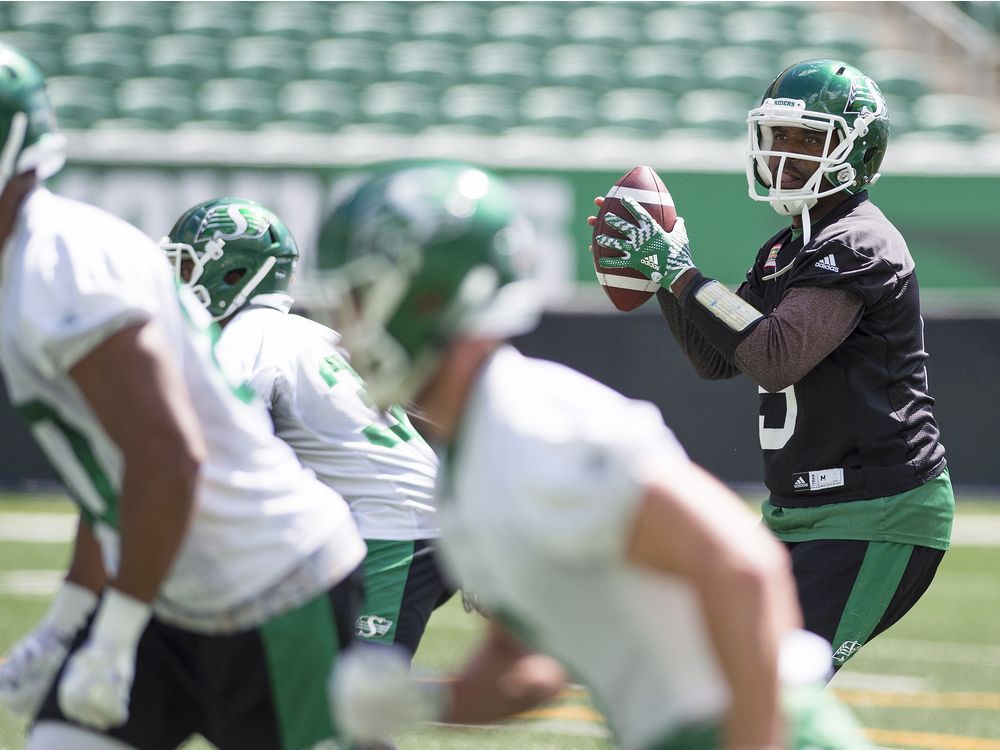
(860, 424)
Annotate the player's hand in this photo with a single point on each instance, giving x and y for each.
(373, 695)
(95, 688)
(657, 254)
(598, 201)
(27, 673)
(96, 685)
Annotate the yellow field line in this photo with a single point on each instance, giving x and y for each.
(928, 741)
(565, 713)
(899, 738)
(972, 701)
(914, 740)
(874, 698)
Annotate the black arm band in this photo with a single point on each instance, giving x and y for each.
(723, 318)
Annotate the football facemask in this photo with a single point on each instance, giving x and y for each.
(418, 256)
(837, 102)
(28, 137)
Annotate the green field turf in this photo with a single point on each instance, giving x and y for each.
(930, 683)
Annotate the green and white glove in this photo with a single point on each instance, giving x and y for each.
(657, 254)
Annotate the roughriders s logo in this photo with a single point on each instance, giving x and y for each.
(371, 626)
(865, 94)
(846, 651)
(231, 223)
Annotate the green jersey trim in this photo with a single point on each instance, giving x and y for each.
(301, 646)
(387, 568)
(921, 516)
(38, 412)
(878, 579)
(243, 391)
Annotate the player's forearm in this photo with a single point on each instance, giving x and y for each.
(135, 388)
(708, 362)
(156, 504)
(805, 327)
(502, 680)
(693, 527)
(748, 611)
(86, 567)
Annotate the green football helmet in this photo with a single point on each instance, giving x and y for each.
(830, 97)
(230, 250)
(419, 255)
(28, 137)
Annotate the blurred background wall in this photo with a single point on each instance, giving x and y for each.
(167, 104)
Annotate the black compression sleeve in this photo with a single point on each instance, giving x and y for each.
(722, 317)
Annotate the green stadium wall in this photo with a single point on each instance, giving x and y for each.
(952, 223)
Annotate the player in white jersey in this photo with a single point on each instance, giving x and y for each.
(231, 570)
(572, 511)
(239, 258)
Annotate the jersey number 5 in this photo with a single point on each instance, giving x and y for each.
(776, 422)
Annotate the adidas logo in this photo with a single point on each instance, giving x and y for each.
(800, 484)
(653, 261)
(829, 263)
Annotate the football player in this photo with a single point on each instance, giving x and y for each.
(238, 258)
(828, 325)
(233, 572)
(572, 511)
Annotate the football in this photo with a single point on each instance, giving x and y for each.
(626, 287)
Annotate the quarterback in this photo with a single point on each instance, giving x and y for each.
(827, 324)
(224, 555)
(238, 258)
(572, 511)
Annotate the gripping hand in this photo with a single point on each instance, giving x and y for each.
(32, 664)
(648, 248)
(26, 675)
(97, 683)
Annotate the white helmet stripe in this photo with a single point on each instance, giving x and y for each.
(643, 196)
(627, 282)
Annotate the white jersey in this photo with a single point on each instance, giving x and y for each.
(70, 277)
(538, 496)
(376, 461)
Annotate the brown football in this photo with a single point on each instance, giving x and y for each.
(626, 287)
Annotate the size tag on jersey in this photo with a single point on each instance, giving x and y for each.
(811, 481)
(772, 257)
(726, 305)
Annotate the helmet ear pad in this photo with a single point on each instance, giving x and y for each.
(233, 276)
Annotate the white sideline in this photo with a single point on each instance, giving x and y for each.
(970, 530)
(37, 527)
